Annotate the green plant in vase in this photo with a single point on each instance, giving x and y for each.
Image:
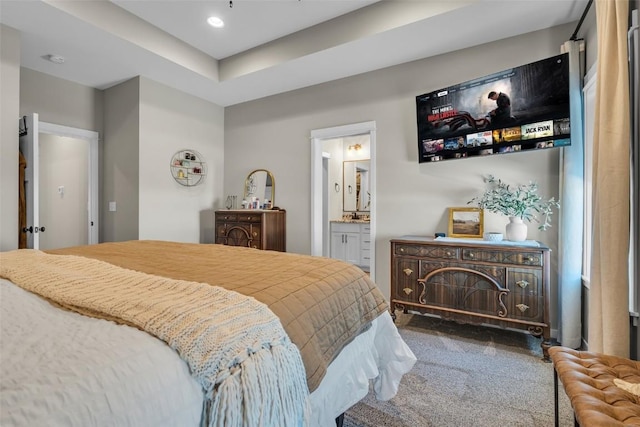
(518, 202)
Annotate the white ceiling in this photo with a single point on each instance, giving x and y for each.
(267, 46)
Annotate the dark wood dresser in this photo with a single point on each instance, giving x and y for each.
(504, 284)
(259, 229)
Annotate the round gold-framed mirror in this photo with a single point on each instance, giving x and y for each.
(260, 184)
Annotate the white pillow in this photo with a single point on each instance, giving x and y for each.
(627, 386)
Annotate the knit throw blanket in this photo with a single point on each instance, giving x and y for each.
(236, 348)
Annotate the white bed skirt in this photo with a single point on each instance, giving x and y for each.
(378, 356)
(59, 368)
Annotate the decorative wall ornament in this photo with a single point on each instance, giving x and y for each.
(188, 167)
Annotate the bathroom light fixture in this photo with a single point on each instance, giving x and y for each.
(215, 22)
(355, 147)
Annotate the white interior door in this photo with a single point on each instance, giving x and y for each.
(63, 191)
(61, 185)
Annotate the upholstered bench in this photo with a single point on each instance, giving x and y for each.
(587, 378)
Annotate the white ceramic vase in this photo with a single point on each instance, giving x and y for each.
(516, 229)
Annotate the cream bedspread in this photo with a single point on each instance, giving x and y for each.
(322, 303)
(62, 369)
(235, 346)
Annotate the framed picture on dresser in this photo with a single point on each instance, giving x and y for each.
(466, 222)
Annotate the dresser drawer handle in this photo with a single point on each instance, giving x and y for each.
(255, 234)
(407, 291)
(471, 255)
(522, 307)
(522, 283)
(408, 271)
(528, 259)
(401, 249)
(449, 253)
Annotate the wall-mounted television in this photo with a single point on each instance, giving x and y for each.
(519, 109)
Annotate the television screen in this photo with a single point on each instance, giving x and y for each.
(523, 108)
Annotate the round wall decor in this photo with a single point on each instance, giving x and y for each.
(188, 168)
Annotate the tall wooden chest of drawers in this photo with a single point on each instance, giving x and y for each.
(259, 229)
(497, 284)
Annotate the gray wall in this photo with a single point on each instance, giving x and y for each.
(412, 198)
(60, 101)
(9, 101)
(145, 124)
(120, 160)
(171, 121)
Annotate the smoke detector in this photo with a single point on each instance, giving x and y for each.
(56, 59)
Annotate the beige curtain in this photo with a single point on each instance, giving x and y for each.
(609, 294)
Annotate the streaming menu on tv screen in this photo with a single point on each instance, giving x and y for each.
(523, 108)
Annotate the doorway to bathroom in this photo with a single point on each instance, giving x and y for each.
(343, 159)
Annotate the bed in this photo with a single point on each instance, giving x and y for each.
(58, 367)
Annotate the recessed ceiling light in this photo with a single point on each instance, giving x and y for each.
(216, 22)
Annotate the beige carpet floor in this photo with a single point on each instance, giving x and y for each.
(466, 375)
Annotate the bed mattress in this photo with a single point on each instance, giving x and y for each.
(59, 368)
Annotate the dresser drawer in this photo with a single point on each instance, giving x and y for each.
(444, 252)
(221, 230)
(407, 288)
(503, 257)
(255, 232)
(525, 307)
(366, 258)
(463, 275)
(365, 242)
(525, 281)
(230, 217)
(249, 217)
(345, 227)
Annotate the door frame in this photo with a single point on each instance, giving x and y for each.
(92, 138)
(318, 204)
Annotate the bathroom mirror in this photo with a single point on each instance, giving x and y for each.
(356, 186)
(260, 184)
